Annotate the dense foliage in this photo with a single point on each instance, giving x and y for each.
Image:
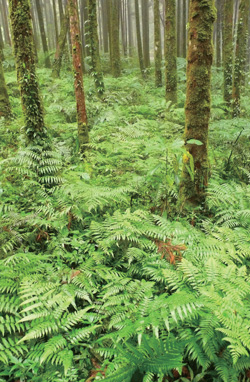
(102, 275)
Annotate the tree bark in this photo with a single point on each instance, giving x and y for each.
(42, 32)
(138, 35)
(20, 17)
(130, 29)
(228, 50)
(5, 109)
(157, 50)
(6, 29)
(115, 43)
(61, 45)
(83, 135)
(170, 51)
(94, 48)
(55, 19)
(240, 56)
(145, 32)
(198, 102)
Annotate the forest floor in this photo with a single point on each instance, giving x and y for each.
(112, 221)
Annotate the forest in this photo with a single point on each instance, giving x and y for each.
(124, 190)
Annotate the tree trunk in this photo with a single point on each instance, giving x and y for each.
(61, 45)
(240, 56)
(20, 17)
(1, 46)
(42, 32)
(5, 109)
(198, 102)
(170, 52)
(6, 29)
(94, 48)
(218, 33)
(83, 135)
(145, 32)
(55, 19)
(130, 29)
(157, 50)
(104, 8)
(138, 35)
(184, 31)
(228, 50)
(115, 43)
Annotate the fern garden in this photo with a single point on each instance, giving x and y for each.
(109, 271)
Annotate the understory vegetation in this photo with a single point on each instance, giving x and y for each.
(102, 274)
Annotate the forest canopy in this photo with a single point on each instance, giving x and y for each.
(125, 194)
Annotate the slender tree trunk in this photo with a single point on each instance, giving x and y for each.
(170, 52)
(228, 50)
(240, 56)
(115, 43)
(157, 35)
(94, 48)
(198, 101)
(83, 135)
(20, 16)
(218, 33)
(61, 45)
(5, 109)
(42, 32)
(184, 31)
(145, 32)
(123, 19)
(138, 35)
(130, 29)
(55, 19)
(104, 8)
(6, 22)
(61, 13)
(1, 46)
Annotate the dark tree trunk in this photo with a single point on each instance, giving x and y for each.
(115, 43)
(228, 50)
(170, 52)
(5, 109)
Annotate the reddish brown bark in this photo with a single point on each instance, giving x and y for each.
(83, 135)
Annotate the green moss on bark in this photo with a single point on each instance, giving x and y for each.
(115, 44)
(157, 37)
(26, 71)
(94, 48)
(170, 51)
(198, 99)
(5, 109)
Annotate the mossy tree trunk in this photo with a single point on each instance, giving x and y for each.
(55, 19)
(94, 48)
(5, 109)
(83, 135)
(115, 43)
(20, 16)
(138, 36)
(170, 51)
(194, 181)
(157, 50)
(228, 50)
(240, 56)
(60, 48)
(43, 34)
(1, 45)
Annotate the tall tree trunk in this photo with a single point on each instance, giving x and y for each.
(115, 43)
(198, 101)
(104, 7)
(145, 32)
(157, 50)
(184, 31)
(240, 56)
(20, 17)
(61, 13)
(55, 19)
(5, 109)
(228, 50)
(170, 51)
(1, 46)
(218, 33)
(94, 48)
(61, 45)
(5, 22)
(138, 35)
(42, 32)
(83, 134)
(123, 19)
(130, 29)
